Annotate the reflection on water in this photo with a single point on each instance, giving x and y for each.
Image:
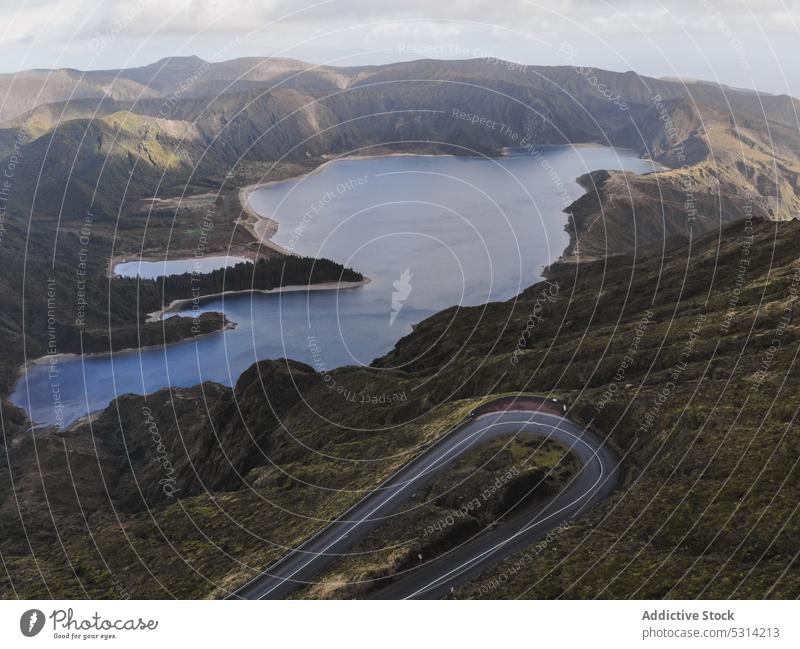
(430, 232)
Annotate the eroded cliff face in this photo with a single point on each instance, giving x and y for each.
(721, 169)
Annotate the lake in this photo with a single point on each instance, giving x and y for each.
(429, 231)
(151, 269)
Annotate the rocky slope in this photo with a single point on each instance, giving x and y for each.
(687, 363)
(730, 153)
(241, 460)
(722, 169)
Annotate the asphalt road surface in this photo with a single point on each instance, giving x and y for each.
(596, 478)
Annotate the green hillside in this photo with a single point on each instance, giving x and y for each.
(686, 363)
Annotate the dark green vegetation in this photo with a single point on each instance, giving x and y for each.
(131, 300)
(670, 357)
(264, 275)
(690, 367)
(62, 273)
(681, 349)
(213, 438)
(98, 339)
(480, 491)
(147, 161)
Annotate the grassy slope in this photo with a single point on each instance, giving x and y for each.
(709, 501)
(722, 168)
(73, 165)
(587, 345)
(709, 495)
(200, 543)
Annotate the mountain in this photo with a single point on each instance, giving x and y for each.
(666, 356)
(256, 110)
(193, 76)
(24, 91)
(99, 145)
(680, 280)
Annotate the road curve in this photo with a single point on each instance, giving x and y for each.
(597, 477)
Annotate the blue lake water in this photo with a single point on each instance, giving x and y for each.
(146, 269)
(430, 232)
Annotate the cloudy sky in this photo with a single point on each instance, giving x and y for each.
(748, 43)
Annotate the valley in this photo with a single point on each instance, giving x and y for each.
(475, 231)
(247, 473)
(209, 444)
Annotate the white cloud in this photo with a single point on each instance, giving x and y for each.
(607, 32)
(210, 16)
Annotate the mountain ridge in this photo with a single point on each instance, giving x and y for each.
(104, 155)
(781, 107)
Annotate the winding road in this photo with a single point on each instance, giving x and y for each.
(596, 479)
